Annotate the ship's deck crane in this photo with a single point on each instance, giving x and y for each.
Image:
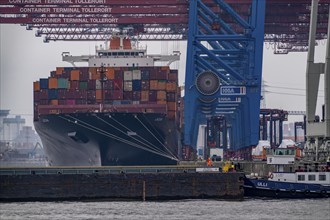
(225, 43)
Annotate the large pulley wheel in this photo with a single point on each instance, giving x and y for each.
(207, 83)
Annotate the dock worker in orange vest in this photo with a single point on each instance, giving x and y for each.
(209, 163)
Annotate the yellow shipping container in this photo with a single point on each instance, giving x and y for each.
(36, 86)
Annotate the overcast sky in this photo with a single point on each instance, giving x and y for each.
(25, 58)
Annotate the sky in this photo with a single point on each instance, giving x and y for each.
(25, 59)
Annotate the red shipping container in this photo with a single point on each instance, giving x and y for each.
(36, 96)
(91, 84)
(74, 84)
(70, 101)
(153, 96)
(119, 74)
(118, 84)
(171, 106)
(62, 94)
(128, 95)
(44, 94)
(117, 95)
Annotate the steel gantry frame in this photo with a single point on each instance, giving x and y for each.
(223, 71)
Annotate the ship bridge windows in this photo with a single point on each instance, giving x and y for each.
(322, 177)
(301, 177)
(311, 177)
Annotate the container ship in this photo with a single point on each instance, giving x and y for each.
(121, 109)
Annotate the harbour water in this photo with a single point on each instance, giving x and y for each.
(185, 209)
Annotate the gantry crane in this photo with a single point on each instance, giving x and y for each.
(225, 43)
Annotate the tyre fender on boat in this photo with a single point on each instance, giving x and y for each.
(293, 192)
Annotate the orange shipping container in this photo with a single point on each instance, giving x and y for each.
(165, 68)
(153, 84)
(98, 94)
(59, 70)
(92, 70)
(110, 73)
(161, 85)
(52, 83)
(171, 106)
(171, 86)
(74, 75)
(161, 95)
(36, 86)
(161, 102)
(145, 96)
(54, 102)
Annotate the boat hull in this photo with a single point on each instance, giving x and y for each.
(108, 139)
(276, 189)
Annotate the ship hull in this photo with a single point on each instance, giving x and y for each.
(108, 139)
(277, 189)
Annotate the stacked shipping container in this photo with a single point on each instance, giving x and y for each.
(70, 86)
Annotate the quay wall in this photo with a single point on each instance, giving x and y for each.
(122, 186)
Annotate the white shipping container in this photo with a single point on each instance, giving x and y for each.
(136, 74)
(98, 84)
(128, 86)
(128, 75)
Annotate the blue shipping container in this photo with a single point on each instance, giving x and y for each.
(52, 94)
(43, 83)
(137, 85)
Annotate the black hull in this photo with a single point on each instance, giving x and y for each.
(108, 139)
(278, 190)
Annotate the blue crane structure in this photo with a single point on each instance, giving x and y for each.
(225, 46)
(223, 71)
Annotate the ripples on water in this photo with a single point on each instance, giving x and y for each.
(308, 209)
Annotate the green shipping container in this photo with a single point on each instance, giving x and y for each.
(82, 85)
(62, 83)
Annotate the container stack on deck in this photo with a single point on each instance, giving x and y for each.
(71, 86)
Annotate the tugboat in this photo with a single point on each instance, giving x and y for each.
(309, 180)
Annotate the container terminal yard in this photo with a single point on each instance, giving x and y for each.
(121, 127)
